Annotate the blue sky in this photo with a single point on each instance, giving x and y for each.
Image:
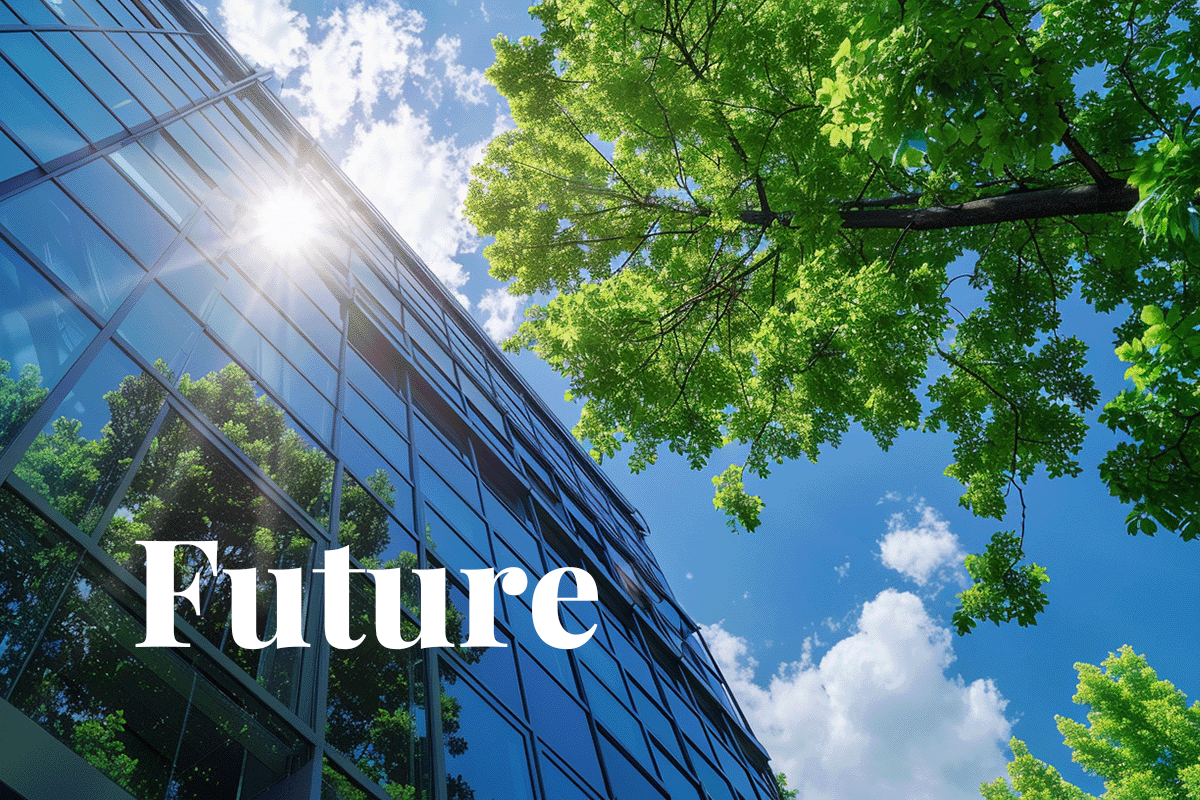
(831, 621)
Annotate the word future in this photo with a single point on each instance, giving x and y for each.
(161, 594)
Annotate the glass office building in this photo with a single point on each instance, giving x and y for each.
(168, 373)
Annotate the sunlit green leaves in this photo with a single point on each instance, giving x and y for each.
(1003, 588)
(674, 192)
(1142, 738)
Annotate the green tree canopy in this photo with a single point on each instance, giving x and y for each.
(1142, 738)
(747, 220)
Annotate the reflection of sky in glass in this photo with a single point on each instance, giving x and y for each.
(495, 764)
(86, 401)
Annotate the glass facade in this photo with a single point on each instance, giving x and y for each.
(165, 375)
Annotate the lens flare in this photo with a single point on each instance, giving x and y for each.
(287, 220)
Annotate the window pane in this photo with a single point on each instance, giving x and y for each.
(151, 721)
(41, 335)
(161, 331)
(376, 705)
(133, 80)
(38, 562)
(123, 209)
(71, 246)
(148, 176)
(115, 96)
(33, 120)
(78, 461)
(12, 160)
(57, 82)
(485, 755)
(186, 490)
(264, 432)
(371, 533)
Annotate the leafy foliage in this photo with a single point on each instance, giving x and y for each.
(747, 221)
(1142, 738)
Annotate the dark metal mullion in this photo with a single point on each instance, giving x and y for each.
(50, 404)
(156, 124)
(116, 571)
(433, 685)
(365, 784)
(20, 145)
(86, 28)
(66, 587)
(50, 103)
(130, 472)
(151, 36)
(319, 665)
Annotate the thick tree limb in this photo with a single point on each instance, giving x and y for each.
(1064, 201)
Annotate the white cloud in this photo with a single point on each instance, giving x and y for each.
(346, 75)
(469, 85)
(364, 53)
(924, 550)
(503, 310)
(267, 32)
(843, 570)
(419, 183)
(878, 716)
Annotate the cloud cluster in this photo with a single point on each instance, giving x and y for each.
(878, 715)
(347, 75)
(504, 314)
(926, 551)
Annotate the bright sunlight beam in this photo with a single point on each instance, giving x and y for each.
(286, 221)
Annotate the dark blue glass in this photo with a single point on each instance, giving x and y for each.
(489, 757)
(58, 84)
(110, 91)
(41, 335)
(33, 120)
(68, 243)
(124, 210)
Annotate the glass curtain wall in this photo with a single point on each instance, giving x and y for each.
(169, 372)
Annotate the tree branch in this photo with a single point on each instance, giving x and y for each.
(1063, 201)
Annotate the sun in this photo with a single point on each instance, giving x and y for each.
(287, 220)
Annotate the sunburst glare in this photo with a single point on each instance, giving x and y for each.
(287, 220)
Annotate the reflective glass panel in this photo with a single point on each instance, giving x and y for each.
(263, 431)
(123, 209)
(372, 534)
(115, 97)
(31, 118)
(57, 82)
(12, 160)
(38, 562)
(376, 703)
(71, 245)
(41, 335)
(155, 724)
(186, 490)
(485, 755)
(78, 461)
(128, 75)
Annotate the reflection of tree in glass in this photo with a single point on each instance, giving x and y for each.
(377, 699)
(186, 489)
(18, 398)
